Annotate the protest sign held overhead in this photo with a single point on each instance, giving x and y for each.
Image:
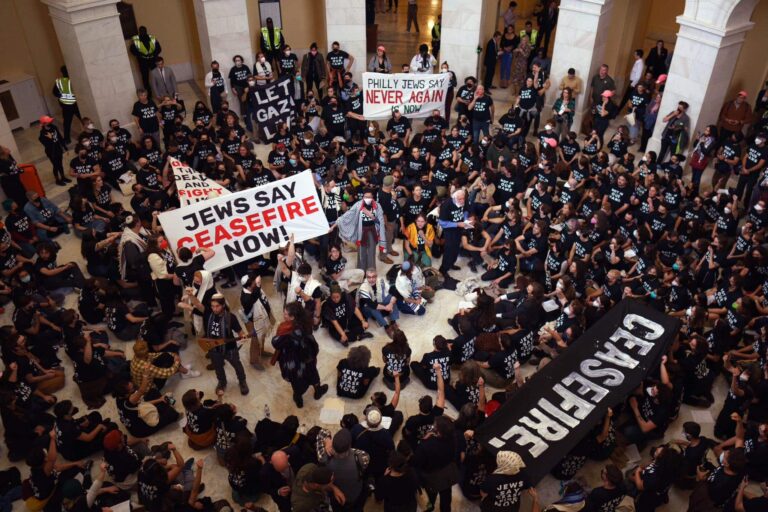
(563, 401)
(193, 186)
(245, 224)
(274, 104)
(413, 95)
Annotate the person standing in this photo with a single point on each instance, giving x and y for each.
(452, 219)
(413, 9)
(272, 42)
(634, 76)
(336, 65)
(163, 81)
(547, 22)
(436, 29)
(147, 117)
(62, 89)
(364, 225)
(146, 48)
(449, 95)
(510, 16)
(483, 114)
(422, 63)
(288, 67)
(492, 52)
(733, 116)
(297, 352)
(313, 69)
(54, 144)
(220, 324)
(657, 59)
(216, 85)
(238, 82)
(674, 138)
(380, 62)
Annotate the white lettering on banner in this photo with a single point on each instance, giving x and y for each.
(192, 186)
(411, 96)
(245, 224)
(552, 421)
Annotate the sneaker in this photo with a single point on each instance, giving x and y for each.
(191, 374)
(244, 388)
(320, 391)
(473, 266)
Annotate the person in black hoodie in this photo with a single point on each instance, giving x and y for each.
(55, 147)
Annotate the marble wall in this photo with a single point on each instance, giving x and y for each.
(91, 41)
(461, 36)
(224, 32)
(345, 23)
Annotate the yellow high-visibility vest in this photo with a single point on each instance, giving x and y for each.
(271, 45)
(143, 50)
(65, 88)
(436, 32)
(534, 35)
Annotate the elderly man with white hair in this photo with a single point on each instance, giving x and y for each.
(453, 219)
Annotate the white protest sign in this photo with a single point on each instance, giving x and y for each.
(193, 186)
(245, 224)
(413, 95)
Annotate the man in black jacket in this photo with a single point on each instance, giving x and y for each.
(491, 57)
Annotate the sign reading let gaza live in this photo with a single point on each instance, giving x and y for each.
(413, 95)
(245, 224)
(563, 401)
(274, 104)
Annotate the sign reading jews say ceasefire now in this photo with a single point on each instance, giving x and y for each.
(413, 95)
(243, 225)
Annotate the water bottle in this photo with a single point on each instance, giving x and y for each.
(267, 412)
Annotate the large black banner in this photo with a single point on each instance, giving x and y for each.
(274, 104)
(563, 401)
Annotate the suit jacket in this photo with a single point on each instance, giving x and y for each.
(163, 84)
(491, 53)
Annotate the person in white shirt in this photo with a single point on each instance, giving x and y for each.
(217, 86)
(262, 69)
(423, 62)
(635, 75)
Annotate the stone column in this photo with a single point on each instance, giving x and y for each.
(460, 37)
(224, 33)
(6, 136)
(345, 23)
(700, 74)
(582, 30)
(92, 43)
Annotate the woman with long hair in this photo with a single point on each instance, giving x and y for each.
(244, 469)
(380, 62)
(520, 64)
(469, 389)
(297, 352)
(435, 460)
(397, 359)
(355, 373)
(162, 264)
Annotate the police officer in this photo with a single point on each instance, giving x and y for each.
(62, 89)
(146, 48)
(436, 29)
(54, 144)
(272, 42)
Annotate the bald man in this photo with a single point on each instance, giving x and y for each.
(277, 477)
(453, 219)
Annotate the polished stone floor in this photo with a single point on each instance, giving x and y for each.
(267, 386)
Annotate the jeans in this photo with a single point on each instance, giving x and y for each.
(505, 72)
(7, 499)
(480, 127)
(233, 357)
(379, 316)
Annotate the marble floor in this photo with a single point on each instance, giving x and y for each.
(402, 45)
(268, 388)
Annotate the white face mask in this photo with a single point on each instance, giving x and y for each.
(722, 458)
(113, 139)
(743, 377)
(650, 391)
(548, 127)
(368, 200)
(307, 141)
(727, 210)
(567, 310)
(287, 53)
(759, 141)
(596, 303)
(445, 70)
(262, 60)
(371, 129)
(758, 208)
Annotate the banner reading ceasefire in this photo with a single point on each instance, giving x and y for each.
(563, 401)
(246, 224)
(413, 95)
(192, 186)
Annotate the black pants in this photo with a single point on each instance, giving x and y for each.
(13, 189)
(313, 82)
(412, 8)
(71, 278)
(495, 274)
(67, 113)
(424, 375)
(452, 244)
(353, 329)
(218, 356)
(145, 66)
(445, 498)
(392, 2)
(490, 70)
(645, 137)
(745, 185)
(166, 293)
(667, 145)
(56, 158)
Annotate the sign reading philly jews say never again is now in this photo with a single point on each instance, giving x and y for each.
(245, 224)
(565, 400)
(192, 186)
(413, 95)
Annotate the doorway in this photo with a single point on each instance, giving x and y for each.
(390, 29)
